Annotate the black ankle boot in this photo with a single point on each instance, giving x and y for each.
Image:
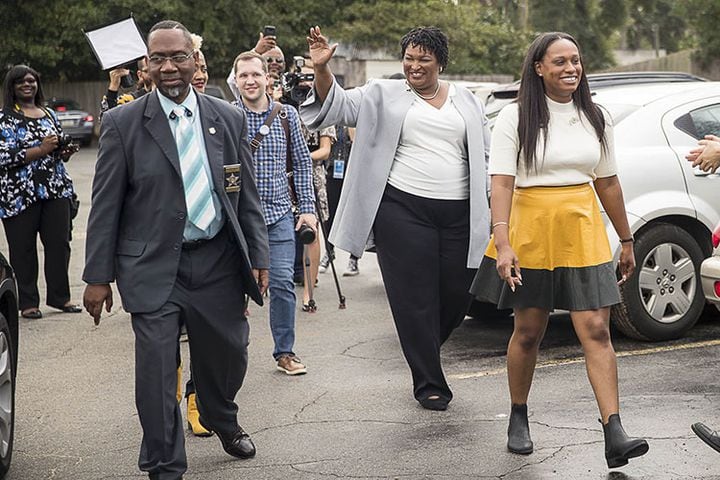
(519, 431)
(618, 446)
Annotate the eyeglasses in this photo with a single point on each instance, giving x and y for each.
(274, 60)
(179, 59)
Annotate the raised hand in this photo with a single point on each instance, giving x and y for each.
(320, 50)
(265, 43)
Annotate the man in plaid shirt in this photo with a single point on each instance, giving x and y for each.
(251, 76)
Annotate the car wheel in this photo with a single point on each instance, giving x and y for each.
(7, 396)
(664, 298)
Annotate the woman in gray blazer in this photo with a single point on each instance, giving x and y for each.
(416, 188)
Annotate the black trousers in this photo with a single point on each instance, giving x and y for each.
(208, 298)
(422, 247)
(51, 219)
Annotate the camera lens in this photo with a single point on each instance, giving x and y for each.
(306, 234)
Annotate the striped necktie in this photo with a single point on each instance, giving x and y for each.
(198, 198)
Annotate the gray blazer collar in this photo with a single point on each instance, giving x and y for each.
(159, 128)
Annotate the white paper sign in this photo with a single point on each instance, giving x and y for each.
(117, 44)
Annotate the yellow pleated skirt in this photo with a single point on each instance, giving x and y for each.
(559, 237)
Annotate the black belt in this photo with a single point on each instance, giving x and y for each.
(195, 244)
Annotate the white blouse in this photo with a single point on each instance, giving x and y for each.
(431, 159)
(573, 154)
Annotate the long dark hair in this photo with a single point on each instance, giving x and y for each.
(533, 113)
(16, 74)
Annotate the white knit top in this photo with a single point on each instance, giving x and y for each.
(573, 154)
(431, 159)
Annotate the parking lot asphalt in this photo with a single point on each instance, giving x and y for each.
(353, 415)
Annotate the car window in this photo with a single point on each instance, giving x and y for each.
(700, 122)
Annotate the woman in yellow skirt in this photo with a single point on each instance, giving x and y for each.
(549, 249)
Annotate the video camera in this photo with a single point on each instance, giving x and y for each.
(293, 92)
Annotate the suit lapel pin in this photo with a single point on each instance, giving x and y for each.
(211, 130)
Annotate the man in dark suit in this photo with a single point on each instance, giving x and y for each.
(176, 221)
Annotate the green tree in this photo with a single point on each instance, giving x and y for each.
(48, 35)
(649, 20)
(702, 18)
(481, 40)
(593, 23)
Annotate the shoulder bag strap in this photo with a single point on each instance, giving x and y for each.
(288, 157)
(255, 142)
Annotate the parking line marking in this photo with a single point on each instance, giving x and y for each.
(574, 360)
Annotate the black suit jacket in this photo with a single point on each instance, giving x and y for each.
(137, 218)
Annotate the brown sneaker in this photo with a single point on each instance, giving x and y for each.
(290, 364)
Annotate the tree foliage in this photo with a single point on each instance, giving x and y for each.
(486, 36)
(481, 39)
(648, 18)
(589, 21)
(702, 16)
(48, 35)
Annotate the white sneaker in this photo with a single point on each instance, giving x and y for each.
(352, 268)
(324, 263)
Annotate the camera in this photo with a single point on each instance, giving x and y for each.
(65, 144)
(64, 141)
(293, 92)
(306, 234)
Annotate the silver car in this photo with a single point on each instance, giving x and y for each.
(672, 207)
(74, 121)
(8, 362)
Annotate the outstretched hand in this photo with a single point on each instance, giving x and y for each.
(707, 155)
(320, 50)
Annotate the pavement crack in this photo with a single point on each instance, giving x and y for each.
(557, 427)
(308, 405)
(529, 464)
(330, 422)
(345, 353)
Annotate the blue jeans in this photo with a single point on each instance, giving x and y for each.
(281, 235)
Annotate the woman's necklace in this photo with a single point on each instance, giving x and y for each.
(26, 109)
(437, 90)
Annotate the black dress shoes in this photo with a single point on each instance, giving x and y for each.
(31, 313)
(706, 435)
(438, 403)
(238, 443)
(69, 308)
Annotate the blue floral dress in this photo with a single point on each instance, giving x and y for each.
(43, 179)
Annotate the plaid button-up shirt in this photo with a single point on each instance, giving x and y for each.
(270, 164)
